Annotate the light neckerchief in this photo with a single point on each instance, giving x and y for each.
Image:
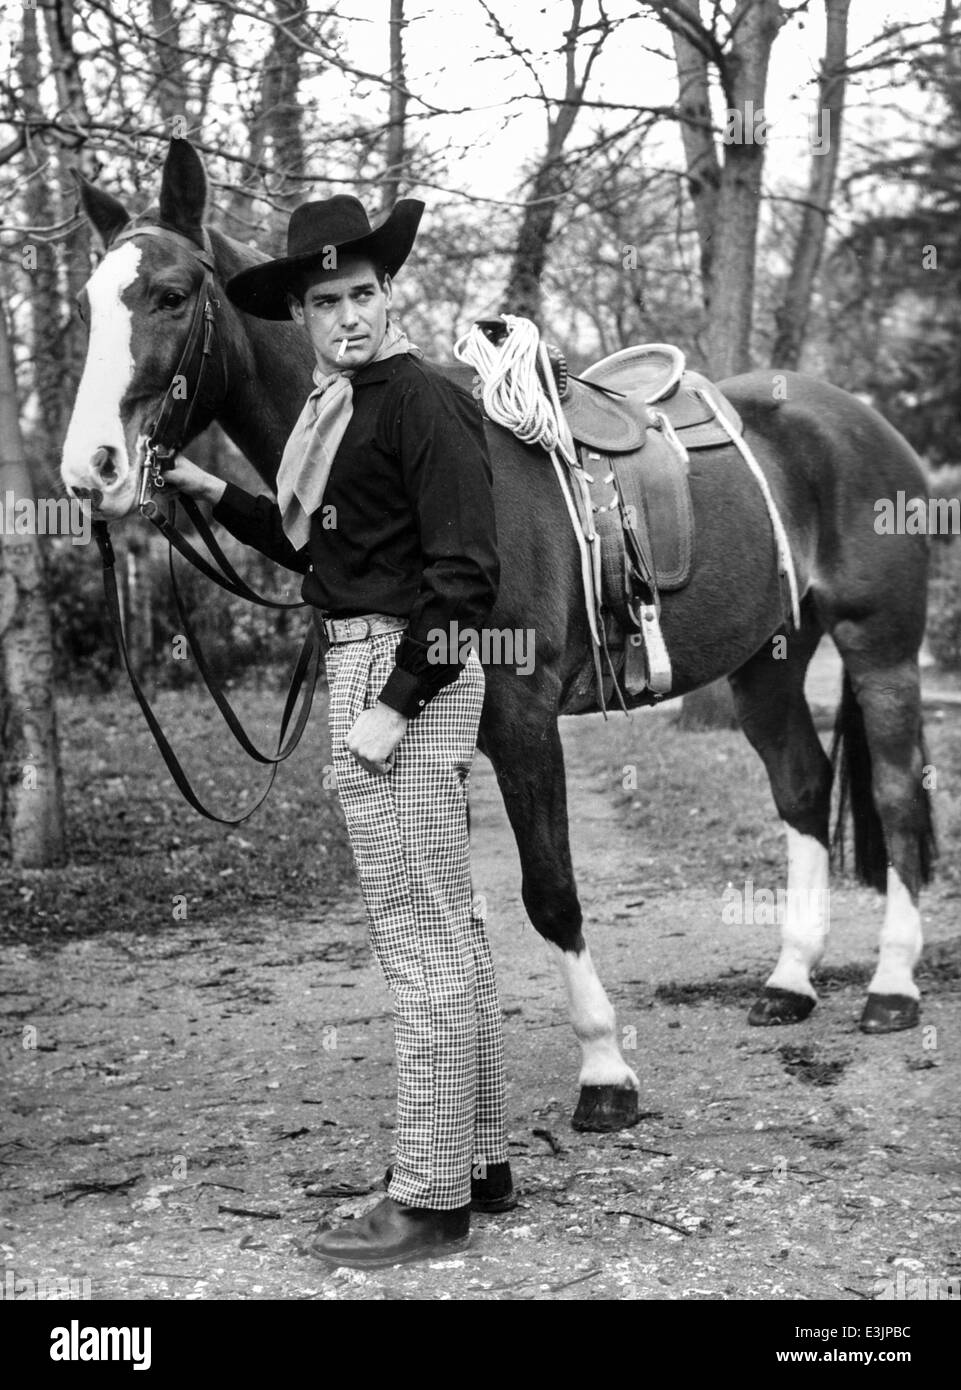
(310, 451)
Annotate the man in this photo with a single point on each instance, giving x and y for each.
(385, 504)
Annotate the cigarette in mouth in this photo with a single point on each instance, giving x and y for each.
(342, 349)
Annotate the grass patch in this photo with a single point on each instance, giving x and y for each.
(136, 849)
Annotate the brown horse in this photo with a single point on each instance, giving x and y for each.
(827, 458)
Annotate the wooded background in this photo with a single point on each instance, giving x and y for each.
(557, 187)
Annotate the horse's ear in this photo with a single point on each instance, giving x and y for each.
(106, 213)
(183, 191)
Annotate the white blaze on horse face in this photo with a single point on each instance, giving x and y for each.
(594, 1022)
(804, 929)
(900, 942)
(95, 423)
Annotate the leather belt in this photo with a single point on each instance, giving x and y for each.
(356, 629)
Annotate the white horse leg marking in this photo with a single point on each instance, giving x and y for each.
(107, 372)
(594, 1022)
(900, 942)
(804, 928)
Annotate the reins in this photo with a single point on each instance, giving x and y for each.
(166, 436)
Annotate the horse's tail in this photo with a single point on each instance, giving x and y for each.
(851, 755)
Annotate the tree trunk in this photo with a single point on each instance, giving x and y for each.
(39, 260)
(792, 315)
(726, 200)
(524, 294)
(397, 114)
(72, 153)
(700, 151)
(33, 818)
(138, 604)
(754, 27)
(281, 108)
(171, 89)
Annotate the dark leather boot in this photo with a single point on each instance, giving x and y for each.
(393, 1234)
(492, 1193)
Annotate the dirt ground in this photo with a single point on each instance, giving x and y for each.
(193, 1102)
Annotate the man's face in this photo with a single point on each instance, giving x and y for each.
(347, 303)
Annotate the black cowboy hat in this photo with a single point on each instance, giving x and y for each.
(340, 224)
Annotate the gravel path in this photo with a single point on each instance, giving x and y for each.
(182, 1108)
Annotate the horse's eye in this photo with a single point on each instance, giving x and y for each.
(172, 299)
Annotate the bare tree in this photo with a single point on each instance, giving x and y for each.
(549, 181)
(397, 114)
(47, 336)
(280, 116)
(73, 152)
(726, 194)
(171, 93)
(31, 799)
(792, 314)
(697, 135)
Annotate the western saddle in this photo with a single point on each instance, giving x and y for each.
(634, 417)
(629, 423)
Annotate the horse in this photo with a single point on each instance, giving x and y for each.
(827, 458)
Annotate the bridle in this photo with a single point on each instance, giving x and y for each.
(169, 430)
(166, 436)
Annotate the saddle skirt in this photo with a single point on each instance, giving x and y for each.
(633, 447)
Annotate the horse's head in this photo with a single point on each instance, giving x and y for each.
(139, 304)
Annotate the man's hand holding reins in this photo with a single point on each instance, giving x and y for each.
(186, 477)
(377, 731)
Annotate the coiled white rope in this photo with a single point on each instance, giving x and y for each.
(512, 394)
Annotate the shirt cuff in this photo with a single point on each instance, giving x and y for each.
(409, 694)
(234, 502)
(406, 693)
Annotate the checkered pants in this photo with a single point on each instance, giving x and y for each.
(409, 836)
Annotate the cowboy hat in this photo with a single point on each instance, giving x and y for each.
(337, 224)
(605, 405)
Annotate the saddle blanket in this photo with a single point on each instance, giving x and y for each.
(645, 491)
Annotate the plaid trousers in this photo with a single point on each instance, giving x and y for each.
(409, 835)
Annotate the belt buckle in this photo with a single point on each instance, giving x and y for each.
(348, 627)
(353, 629)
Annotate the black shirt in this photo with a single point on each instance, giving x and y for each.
(406, 526)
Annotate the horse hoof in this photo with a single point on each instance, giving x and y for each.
(777, 1006)
(889, 1013)
(602, 1109)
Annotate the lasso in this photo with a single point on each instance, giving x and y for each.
(514, 395)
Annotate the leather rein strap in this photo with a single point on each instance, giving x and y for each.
(166, 437)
